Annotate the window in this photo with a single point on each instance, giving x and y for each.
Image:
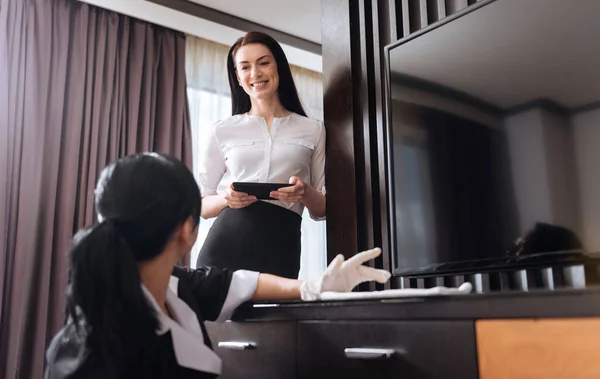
(206, 108)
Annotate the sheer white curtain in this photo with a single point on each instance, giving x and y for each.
(310, 89)
(209, 98)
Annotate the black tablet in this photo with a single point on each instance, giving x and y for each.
(260, 190)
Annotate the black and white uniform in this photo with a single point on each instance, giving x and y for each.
(264, 236)
(185, 350)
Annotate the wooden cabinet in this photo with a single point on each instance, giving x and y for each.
(536, 335)
(322, 349)
(265, 350)
(539, 348)
(419, 350)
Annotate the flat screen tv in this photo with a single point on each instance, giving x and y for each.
(494, 136)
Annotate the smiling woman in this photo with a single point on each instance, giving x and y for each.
(268, 139)
(263, 82)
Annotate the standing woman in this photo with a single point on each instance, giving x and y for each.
(268, 139)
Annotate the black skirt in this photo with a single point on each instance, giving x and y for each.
(261, 237)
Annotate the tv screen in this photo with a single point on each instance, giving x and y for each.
(494, 135)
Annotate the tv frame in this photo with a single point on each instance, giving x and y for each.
(393, 243)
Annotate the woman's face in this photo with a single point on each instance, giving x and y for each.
(256, 71)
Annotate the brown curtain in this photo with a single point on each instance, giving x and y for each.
(79, 87)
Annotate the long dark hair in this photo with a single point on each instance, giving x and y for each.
(288, 95)
(140, 199)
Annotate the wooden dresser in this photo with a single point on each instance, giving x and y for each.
(539, 348)
(504, 336)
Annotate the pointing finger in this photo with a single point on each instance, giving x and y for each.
(364, 256)
(370, 273)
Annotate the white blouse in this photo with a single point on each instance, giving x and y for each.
(242, 149)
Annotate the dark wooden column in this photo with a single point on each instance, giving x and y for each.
(355, 169)
(338, 106)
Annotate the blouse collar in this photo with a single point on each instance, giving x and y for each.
(186, 333)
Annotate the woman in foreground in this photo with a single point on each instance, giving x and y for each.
(131, 312)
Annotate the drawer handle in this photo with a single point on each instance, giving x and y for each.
(235, 345)
(366, 353)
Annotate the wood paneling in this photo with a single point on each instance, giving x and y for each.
(533, 349)
(453, 6)
(378, 140)
(532, 304)
(365, 166)
(338, 110)
(410, 16)
(274, 354)
(406, 16)
(422, 350)
(353, 97)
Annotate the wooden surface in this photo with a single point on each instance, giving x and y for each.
(273, 358)
(338, 111)
(532, 349)
(422, 350)
(509, 305)
(355, 164)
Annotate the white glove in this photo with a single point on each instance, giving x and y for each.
(343, 276)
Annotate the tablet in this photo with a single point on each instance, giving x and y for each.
(260, 190)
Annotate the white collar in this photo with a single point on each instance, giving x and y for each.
(186, 333)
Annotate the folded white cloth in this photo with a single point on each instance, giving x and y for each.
(464, 289)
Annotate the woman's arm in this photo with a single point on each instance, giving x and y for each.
(340, 276)
(212, 205)
(314, 201)
(314, 197)
(219, 291)
(271, 287)
(211, 169)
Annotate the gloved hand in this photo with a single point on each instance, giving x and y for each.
(343, 276)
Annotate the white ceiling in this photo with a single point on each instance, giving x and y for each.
(299, 18)
(183, 22)
(513, 51)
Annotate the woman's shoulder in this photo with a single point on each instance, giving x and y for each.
(299, 118)
(307, 121)
(231, 121)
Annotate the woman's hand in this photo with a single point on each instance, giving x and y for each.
(343, 276)
(293, 193)
(237, 199)
(340, 276)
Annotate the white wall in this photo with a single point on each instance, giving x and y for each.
(528, 164)
(195, 26)
(543, 166)
(586, 127)
(562, 172)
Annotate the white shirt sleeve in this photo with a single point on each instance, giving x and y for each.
(241, 289)
(317, 168)
(212, 164)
